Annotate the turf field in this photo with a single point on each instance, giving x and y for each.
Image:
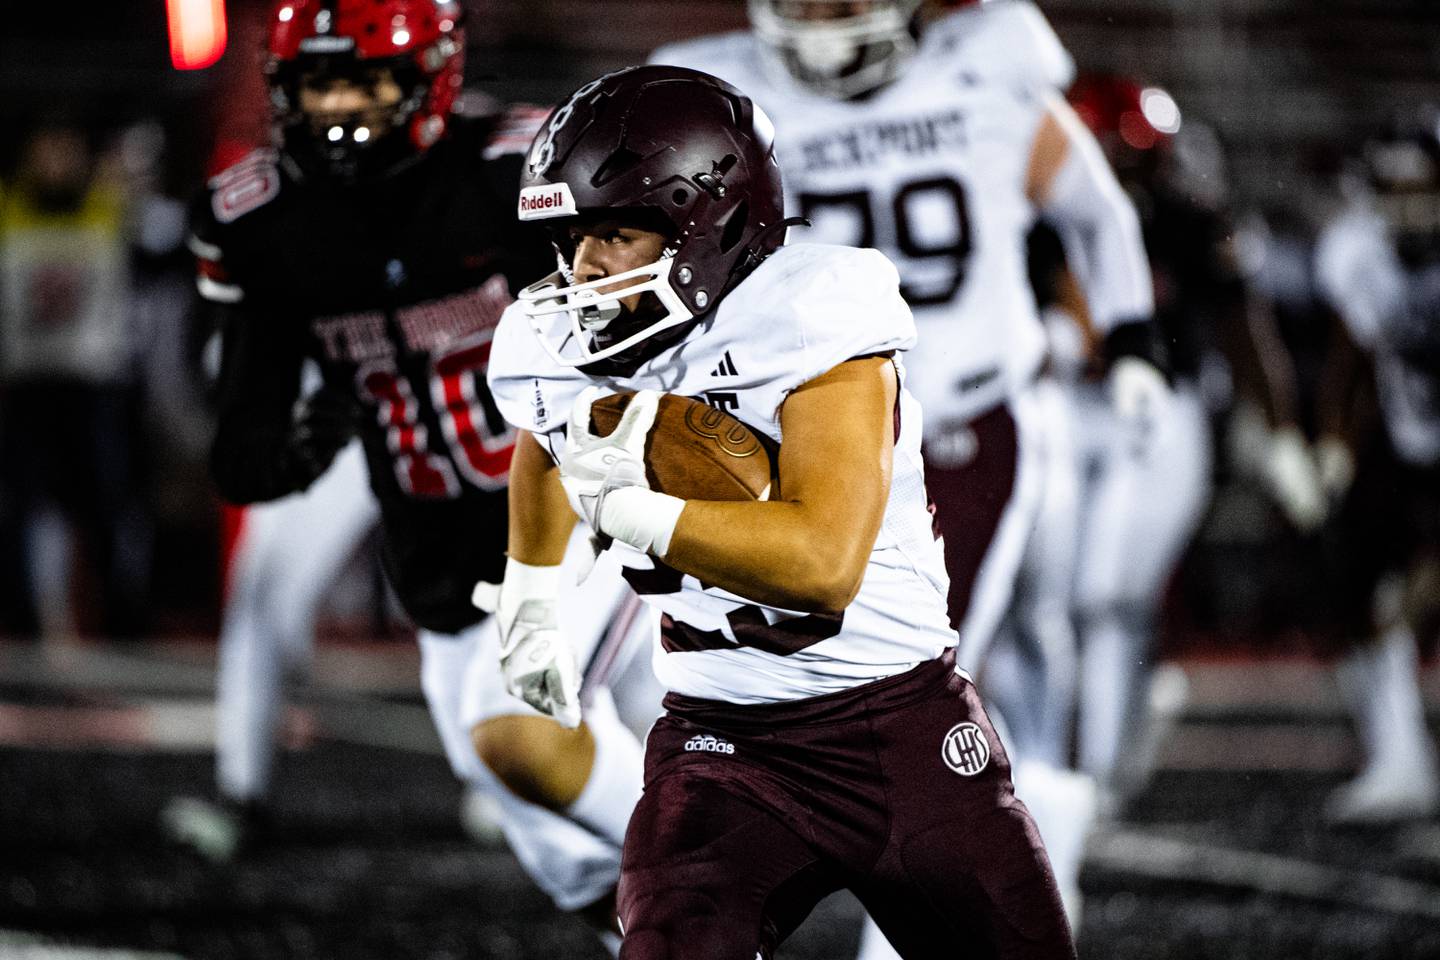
(1224, 855)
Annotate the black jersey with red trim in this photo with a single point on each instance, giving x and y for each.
(394, 288)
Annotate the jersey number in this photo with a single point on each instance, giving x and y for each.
(479, 441)
(926, 221)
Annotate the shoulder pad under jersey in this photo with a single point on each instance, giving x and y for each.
(812, 306)
(1008, 41)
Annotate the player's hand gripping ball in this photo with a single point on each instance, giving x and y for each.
(694, 451)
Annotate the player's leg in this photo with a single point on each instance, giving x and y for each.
(1036, 687)
(965, 871)
(1379, 680)
(985, 479)
(571, 863)
(711, 871)
(1143, 511)
(591, 774)
(1031, 671)
(288, 555)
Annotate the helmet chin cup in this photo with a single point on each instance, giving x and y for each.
(595, 314)
(591, 311)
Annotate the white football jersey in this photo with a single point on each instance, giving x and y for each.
(1395, 314)
(802, 312)
(930, 170)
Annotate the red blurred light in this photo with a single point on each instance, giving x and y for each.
(197, 32)
(1136, 131)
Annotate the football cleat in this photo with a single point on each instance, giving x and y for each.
(219, 831)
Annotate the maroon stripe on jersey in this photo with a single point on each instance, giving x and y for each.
(970, 499)
(752, 629)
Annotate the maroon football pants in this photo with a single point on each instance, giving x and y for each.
(898, 790)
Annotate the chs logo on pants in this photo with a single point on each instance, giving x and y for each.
(965, 749)
(708, 743)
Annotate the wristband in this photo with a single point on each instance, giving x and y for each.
(643, 518)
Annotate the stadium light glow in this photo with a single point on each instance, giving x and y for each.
(1160, 109)
(197, 32)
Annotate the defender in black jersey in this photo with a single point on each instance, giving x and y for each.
(380, 240)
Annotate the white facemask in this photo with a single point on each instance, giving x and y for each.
(591, 311)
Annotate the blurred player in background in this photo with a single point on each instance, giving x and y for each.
(805, 639)
(1378, 266)
(1144, 497)
(937, 142)
(380, 241)
(285, 558)
(68, 471)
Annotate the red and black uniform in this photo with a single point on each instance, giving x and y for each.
(393, 286)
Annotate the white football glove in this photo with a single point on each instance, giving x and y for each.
(537, 663)
(1291, 475)
(1139, 396)
(604, 477)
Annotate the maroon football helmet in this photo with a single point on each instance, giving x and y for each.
(670, 149)
(406, 57)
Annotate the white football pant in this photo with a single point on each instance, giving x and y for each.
(1138, 514)
(288, 554)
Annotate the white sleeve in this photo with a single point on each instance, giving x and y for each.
(1101, 230)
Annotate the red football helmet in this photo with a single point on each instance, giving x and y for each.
(405, 57)
(664, 146)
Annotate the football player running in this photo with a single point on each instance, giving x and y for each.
(1378, 266)
(1141, 507)
(938, 144)
(806, 634)
(376, 242)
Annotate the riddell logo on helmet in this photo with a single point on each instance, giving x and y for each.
(550, 200)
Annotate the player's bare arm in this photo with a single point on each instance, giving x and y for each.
(808, 549)
(540, 517)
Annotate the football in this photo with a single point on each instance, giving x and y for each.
(695, 451)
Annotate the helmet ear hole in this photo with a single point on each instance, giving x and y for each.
(679, 197)
(734, 228)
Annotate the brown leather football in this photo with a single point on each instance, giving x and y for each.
(695, 451)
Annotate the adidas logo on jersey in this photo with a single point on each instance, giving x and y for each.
(708, 743)
(726, 367)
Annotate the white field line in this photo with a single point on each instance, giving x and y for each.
(16, 945)
(1148, 855)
